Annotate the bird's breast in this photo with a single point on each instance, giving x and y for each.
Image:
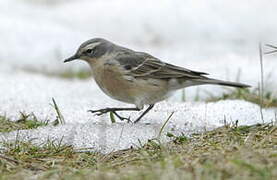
(111, 81)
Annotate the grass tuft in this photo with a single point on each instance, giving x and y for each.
(26, 121)
(66, 74)
(269, 99)
(229, 152)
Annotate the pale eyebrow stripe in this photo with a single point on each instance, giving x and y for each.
(92, 45)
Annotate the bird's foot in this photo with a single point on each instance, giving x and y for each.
(100, 112)
(123, 118)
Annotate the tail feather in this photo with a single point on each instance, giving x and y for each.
(223, 83)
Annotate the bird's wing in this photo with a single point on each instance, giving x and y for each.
(140, 64)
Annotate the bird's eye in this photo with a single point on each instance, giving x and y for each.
(89, 51)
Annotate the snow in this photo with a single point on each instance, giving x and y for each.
(31, 93)
(220, 38)
(104, 137)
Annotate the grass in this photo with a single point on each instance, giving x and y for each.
(29, 121)
(273, 49)
(66, 74)
(80, 74)
(59, 117)
(26, 121)
(230, 152)
(251, 95)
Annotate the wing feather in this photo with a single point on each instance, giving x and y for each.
(147, 66)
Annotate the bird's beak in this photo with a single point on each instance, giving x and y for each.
(72, 58)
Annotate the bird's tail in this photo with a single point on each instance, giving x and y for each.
(222, 83)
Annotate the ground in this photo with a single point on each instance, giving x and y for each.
(229, 152)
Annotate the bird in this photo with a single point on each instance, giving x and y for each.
(135, 77)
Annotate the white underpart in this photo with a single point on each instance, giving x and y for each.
(147, 99)
(174, 84)
(128, 77)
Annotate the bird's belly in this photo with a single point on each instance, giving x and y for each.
(136, 96)
(152, 97)
(138, 91)
(132, 90)
(116, 90)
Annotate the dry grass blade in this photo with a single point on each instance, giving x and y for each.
(161, 130)
(269, 45)
(9, 159)
(262, 80)
(270, 52)
(273, 51)
(60, 118)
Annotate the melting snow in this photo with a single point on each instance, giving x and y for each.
(32, 94)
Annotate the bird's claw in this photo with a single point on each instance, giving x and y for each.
(104, 111)
(99, 112)
(124, 118)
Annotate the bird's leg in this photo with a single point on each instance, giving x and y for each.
(120, 117)
(145, 112)
(106, 110)
(99, 112)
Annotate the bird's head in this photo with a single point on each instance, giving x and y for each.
(92, 50)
